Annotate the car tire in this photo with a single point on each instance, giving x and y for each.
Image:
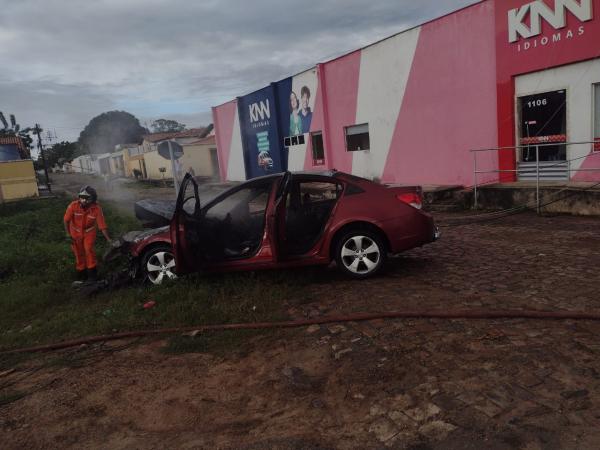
(158, 264)
(360, 253)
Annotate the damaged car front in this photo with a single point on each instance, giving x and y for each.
(149, 254)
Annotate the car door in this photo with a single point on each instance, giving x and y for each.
(227, 232)
(309, 203)
(185, 226)
(276, 222)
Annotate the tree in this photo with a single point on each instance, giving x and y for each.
(109, 129)
(60, 153)
(15, 130)
(166, 126)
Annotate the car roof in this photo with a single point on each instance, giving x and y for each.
(331, 173)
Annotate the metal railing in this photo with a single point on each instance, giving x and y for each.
(594, 151)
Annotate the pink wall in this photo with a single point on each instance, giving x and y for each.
(592, 161)
(450, 102)
(341, 86)
(224, 118)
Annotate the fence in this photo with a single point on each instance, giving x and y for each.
(594, 151)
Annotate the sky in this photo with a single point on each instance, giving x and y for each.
(66, 61)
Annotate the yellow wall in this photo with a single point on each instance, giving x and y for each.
(198, 157)
(153, 162)
(126, 164)
(135, 162)
(17, 180)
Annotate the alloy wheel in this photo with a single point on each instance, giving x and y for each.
(160, 265)
(360, 254)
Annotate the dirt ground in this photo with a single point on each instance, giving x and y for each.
(415, 384)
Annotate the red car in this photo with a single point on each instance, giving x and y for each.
(286, 220)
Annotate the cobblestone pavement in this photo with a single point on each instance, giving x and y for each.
(505, 383)
(415, 384)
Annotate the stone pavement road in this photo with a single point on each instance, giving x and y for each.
(479, 383)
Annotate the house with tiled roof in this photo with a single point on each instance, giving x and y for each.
(12, 148)
(201, 157)
(199, 153)
(182, 137)
(17, 175)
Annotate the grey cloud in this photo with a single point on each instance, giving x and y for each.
(66, 108)
(90, 56)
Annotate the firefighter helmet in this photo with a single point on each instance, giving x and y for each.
(89, 193)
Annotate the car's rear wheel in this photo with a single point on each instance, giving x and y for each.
(360, 253)
(158, 264)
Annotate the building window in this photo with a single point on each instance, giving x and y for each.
(597, 117)
(290, 141)
(357, 137)
(318, 151)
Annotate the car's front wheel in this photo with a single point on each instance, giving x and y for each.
(158, 264)
(360, 253)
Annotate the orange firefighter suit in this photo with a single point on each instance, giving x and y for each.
(82, 228)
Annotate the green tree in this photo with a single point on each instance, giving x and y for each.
(166, 126)
(60, 153)
(109, 129)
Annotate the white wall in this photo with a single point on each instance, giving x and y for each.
(235, 169)
(577, 80)
(384, 71)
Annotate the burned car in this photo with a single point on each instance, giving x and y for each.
(285, 220)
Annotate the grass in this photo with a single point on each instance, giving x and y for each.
(38, 305)
(147, 184)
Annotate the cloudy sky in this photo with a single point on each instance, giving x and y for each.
(65, 61)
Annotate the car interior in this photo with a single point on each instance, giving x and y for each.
(233, 227)
(308, 207)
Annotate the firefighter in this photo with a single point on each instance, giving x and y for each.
(81, 219)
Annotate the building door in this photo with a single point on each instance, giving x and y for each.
(543, 124)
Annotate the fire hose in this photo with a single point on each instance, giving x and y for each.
(356, 317)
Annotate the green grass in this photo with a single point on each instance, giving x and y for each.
(38, 305)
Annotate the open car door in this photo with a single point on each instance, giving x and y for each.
(185, 226)
(276, 224)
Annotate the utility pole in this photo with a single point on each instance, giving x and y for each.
(173, 170)
(37, 130)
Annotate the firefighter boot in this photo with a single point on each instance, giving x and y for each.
(92, 275)
(81, 278)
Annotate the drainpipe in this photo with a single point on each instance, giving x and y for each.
(324, 106)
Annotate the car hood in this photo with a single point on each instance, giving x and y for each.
(155, 212)
(123, 244)
(137, 236)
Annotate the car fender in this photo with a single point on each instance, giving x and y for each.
(334, 231)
